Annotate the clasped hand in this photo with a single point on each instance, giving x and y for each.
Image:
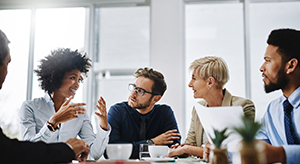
(80, 148)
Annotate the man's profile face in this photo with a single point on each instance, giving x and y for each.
(273, 71)
(141, 102)
(3, 69)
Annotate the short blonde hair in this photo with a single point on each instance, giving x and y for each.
(211, 66)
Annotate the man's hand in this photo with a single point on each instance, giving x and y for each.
(166, 138)
(206, 152)
(273, 154)
(102, 114)
(80, 148)
(67, 112)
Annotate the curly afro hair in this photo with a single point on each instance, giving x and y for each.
(53, 68)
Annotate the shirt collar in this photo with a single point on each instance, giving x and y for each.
(226, 98)
(294, 98)
(48, 98)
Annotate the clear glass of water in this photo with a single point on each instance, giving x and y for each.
(144, 152)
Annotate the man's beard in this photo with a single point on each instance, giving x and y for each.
(142, 106)
(282, 82)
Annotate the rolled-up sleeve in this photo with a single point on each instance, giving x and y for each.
(97, 142)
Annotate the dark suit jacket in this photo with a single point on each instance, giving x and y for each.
(14, 151)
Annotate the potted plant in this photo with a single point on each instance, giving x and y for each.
(219, 153)
(250, 150)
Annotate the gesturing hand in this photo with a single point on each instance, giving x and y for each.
(102, 113)
(80, 148)
(67, 112)
(166, 138)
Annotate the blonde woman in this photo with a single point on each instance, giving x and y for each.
(210, 74)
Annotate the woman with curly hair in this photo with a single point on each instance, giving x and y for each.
(53, 118)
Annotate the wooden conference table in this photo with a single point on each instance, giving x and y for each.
(177, 161)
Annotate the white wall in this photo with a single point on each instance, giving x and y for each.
(167, 53)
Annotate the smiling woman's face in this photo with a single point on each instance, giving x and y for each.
(70, 83)
(198, 85)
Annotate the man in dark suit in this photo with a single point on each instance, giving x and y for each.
(26, 152)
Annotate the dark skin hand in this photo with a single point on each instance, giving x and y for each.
(273, 154)
(67, 112)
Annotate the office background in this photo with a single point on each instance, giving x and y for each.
(123, 35)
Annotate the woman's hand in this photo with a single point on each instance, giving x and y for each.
(178, 150)
(206, 151)
(176, 146)
(102, 113)
(67, 112)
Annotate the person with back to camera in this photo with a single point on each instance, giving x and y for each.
(126, 118)
(210, 74)
(14, 151)
(53, 118)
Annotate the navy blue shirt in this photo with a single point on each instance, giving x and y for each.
(125, 123)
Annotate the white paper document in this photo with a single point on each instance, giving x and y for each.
(220, 118)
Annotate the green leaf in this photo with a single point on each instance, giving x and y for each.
(248, 130)
(219, 137)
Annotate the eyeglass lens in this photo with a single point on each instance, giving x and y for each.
(139, 91)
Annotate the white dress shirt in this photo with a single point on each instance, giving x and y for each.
(35, 113)
(273, 130)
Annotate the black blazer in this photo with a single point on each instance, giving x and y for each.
(15, 151)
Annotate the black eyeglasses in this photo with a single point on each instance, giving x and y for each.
(138, 91)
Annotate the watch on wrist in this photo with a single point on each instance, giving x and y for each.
(150, 142)
(51, 126)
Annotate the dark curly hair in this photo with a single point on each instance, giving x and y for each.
(288, 43)
(53, 68)
(159, 87)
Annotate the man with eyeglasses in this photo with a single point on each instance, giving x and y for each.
(140, 120)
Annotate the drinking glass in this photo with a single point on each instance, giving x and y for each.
(144, 152)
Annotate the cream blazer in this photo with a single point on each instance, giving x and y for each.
(195, 133)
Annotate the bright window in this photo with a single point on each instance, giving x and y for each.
(57, 28)
(279, 15)
(123, 46)
(215, 30)
(16, 25)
